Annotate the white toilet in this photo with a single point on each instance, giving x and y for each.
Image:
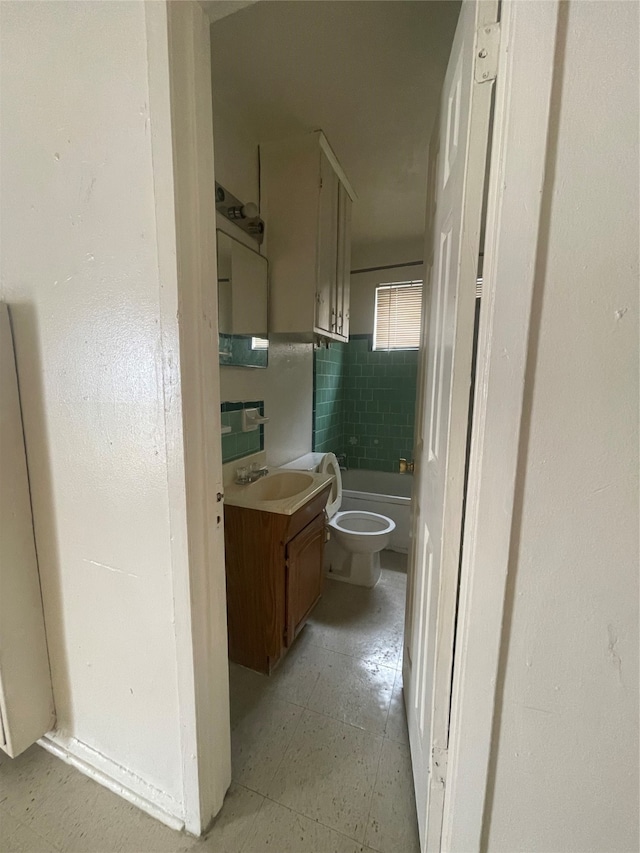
(356, 538)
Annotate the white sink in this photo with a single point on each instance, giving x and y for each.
(281, 491)
(279, 486)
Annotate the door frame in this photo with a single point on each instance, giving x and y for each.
(523, 101)
(181, 136)
(526, 92)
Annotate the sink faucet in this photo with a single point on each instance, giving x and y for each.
(245, 476)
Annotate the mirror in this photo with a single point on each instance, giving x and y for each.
(242, 304)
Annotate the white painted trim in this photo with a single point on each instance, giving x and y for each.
(158, 64)
(523, 100)
(207, 742)
(179, 64)
(116, 778)
(335, 163)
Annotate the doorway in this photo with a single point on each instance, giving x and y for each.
(339, 72)
(469, 610)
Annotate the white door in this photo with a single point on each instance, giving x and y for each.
(456, 184)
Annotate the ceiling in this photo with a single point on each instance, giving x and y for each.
(367, 73)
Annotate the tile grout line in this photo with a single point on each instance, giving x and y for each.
(313, 820)
(353, 657)
(381, 737)
(44, 838)
(373, 793)
(244, 848)
(29, 828)
(381, 734)
(288, 747)
(386, 719)
(326, 717)
(345, 723)
(312, 691)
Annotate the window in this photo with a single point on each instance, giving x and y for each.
(398, 313)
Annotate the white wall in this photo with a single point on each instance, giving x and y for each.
(236, 152)
(286, 385)
(93, 339)
(565, 767)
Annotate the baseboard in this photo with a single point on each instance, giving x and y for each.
(122, 782)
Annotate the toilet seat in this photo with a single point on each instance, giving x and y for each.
(363, 523)
(361, 532)
(329, 465)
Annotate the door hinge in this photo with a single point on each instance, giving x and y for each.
(439, 758)
(487, 49)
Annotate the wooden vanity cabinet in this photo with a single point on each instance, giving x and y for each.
(274, 567)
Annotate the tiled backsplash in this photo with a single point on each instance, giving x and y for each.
(237, 444)
(364, 403)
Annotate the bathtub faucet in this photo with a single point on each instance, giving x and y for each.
(342, 461)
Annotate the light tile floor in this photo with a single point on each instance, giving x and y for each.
(320, 753)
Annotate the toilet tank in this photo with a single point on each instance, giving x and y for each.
(308, 462)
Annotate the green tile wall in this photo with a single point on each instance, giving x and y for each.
(328, 397)
(364, 404)
(379, 406)
(237, 444)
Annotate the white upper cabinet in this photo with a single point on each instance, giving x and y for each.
(305, 199)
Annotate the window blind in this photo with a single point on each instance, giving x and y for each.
(397, 315)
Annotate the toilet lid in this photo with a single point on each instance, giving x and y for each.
(329, 465)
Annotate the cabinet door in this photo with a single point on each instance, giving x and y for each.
(326, 315)
(26, 698)
(304, 575)
(343, 274)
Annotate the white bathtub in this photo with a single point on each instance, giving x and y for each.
(384, 493)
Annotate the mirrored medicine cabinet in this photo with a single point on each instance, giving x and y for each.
(243, 290)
